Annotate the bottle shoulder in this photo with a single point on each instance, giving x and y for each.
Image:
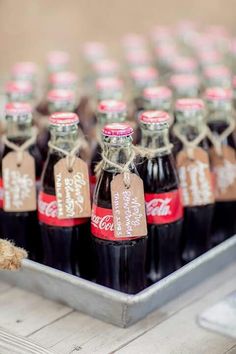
(159, 174)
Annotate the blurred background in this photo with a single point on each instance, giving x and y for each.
(29, 28)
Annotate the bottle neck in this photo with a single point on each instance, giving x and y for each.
(19, 127)
(118, 150)
(107, 118)
(220, 114)
(61, 106)
(19, 97)
(64, 137)
(156, 139)
(160, 105)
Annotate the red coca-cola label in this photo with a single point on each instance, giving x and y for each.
(102, 225)
(164, 208)
(47, 212)
(1, 193)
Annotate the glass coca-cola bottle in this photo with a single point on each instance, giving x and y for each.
(19, 91)
(157, 98)
(24, 71)
(66, 242)
(120, 261)
(194, 173)
(142, 78)
(109, 88)
(57, 61)
(65, 80)
(133, 42)
(21, 227)
(162, 195)
(138, 58)
(185, 86)
(184, 66)
(217, 76)
(221, 121)
(106, 88)
(109, 111)
(58, 100)
(106, 68)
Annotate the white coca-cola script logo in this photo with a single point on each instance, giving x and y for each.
(48, 209)
(158, 207)
(198, 188)
(225, 175)
(103, 223)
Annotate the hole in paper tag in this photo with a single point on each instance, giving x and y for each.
(224, 171)
(128, 207)
(195, 178)
(72, 189)
(19, 183)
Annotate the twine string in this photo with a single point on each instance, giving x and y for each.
(218, 139)
(188, 145)
(70, 155)
(22, 148)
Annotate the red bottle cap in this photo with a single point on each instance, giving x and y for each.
(24, 87)
(109, 83)
(58, 57)
(133, 41)
(211, 56)
(63, 118)
(161, 33)
(60, 95)
(18, 108)
(112, 106)
(106, 66)
(234, 82)
(157, 92)
(184, 80)
(165, 50)
(182, 64)
(117, 129)
(233, 46)
(218, 93)
(139, 56)
(154, 117)
(217, 71)
(63, 77)
(24, 67)
(94, 49)
(144, 74)
(186, 104)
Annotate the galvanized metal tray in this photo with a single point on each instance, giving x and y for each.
(113, 306)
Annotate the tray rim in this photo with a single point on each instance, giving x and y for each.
(114, 306)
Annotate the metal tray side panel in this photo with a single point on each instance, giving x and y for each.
(188, 276)
(112, 306)
(79, 294)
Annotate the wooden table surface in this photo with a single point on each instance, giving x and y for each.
(171, 329)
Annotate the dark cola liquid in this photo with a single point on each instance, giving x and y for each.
(120, 264)
(65, 248)
(96, 158)
(197, 219)
(22, 227)
(44, 134)
(164, 241)
(224, 218)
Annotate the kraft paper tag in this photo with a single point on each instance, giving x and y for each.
(128, 207)
(72, 189)
(19, 183)
(195, 178)
(224, 171)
